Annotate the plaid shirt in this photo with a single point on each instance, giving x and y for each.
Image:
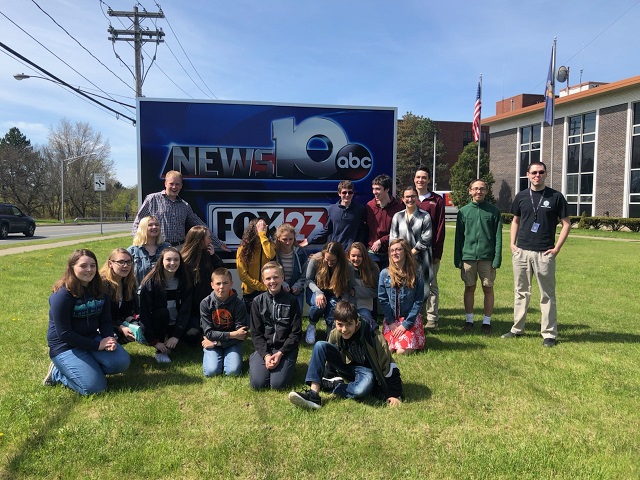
(175, 217)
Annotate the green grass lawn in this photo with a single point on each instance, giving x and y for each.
(477, 407)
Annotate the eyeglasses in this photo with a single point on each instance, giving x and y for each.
(346, 192)
(123, 263)
(478, 189)
(396, 250)
(539, 172)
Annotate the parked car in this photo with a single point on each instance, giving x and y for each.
(12, 220)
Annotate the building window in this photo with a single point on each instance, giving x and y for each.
(580, 163)
(634, 184)
(529, 152)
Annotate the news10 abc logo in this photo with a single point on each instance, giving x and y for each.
(318, 148)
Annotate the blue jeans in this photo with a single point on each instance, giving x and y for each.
(217, 359)
(366, 314)
(316, 312)
(84, 370)
(362, 379)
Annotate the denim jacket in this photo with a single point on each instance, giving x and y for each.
(409, 299)
(142, 261)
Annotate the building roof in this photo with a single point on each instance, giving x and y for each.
(602, 89)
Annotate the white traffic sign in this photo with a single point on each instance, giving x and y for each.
(99, 182)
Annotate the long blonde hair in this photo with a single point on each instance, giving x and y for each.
(113, 283)
(140, 237)
(405, 275)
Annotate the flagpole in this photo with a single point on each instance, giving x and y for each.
(480, 128)
(553, 123)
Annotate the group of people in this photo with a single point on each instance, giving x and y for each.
(169, 287)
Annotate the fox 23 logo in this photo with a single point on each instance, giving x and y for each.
(318, 148)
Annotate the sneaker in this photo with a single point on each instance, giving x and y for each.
(48, 379)
(162, 358)
(330, 384)
(310, 336)
(306, 399)
(467, 327)
(510, 334)
(549, 342)
(486, 328)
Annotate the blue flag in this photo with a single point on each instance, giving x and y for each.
(549, 91)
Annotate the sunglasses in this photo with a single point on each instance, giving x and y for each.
(346, 192)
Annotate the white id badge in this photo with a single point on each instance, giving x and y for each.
(535, 227)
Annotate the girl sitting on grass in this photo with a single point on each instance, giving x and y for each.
(366, 287)
(165, 304)
(401, 292)
(121, 286)
(82, 347)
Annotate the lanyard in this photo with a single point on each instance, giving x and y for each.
(535, 209)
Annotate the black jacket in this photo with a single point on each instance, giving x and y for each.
(276, 323)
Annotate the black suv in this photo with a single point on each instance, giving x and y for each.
(12, 220)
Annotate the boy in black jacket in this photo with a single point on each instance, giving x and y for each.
(359, 355)
(276, 330)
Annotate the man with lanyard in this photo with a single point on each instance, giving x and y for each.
(380, 212)
(537, 211)
(346, 222)
(432, 203)
(174, 214)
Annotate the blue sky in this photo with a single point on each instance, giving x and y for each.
(419, 56)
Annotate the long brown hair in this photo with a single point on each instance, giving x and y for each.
(405, 275)
(368, 268)
(249, 239)
(193, 249)
(157, 278)
(71, 282)
(113, 283)
(336, 281)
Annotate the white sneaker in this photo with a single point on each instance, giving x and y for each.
(162, 358)
(310, 336)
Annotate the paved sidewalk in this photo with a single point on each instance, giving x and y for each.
(65, 243)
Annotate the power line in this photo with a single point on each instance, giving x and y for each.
(77, 90)
(81, 45)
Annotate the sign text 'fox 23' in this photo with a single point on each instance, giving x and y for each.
(279, 162)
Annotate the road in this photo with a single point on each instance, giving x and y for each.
(44, 232)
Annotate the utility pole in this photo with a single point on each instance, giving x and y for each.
(137, 36)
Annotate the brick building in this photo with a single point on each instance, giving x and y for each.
(595, 156)
(455, 136)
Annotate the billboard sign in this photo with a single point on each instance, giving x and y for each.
(281, 162)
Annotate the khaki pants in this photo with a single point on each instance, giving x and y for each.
(526, 264)
(430, 305)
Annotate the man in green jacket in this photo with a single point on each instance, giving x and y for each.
(478, 251)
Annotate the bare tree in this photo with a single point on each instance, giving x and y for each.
(70, 147)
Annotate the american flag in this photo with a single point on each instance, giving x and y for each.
(476, 115)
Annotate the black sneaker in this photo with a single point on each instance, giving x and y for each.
(486, 328)
(330, 384)
(467, 327)
(549, 342)
(306, 399)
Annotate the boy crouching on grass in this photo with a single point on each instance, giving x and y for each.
(359, 355)
(223, 318)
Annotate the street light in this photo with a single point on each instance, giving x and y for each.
(22, 76)
(62, 162)
(89, 96)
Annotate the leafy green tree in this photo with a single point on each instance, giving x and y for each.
(465, 170)
(414, 147)
(23, 172)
